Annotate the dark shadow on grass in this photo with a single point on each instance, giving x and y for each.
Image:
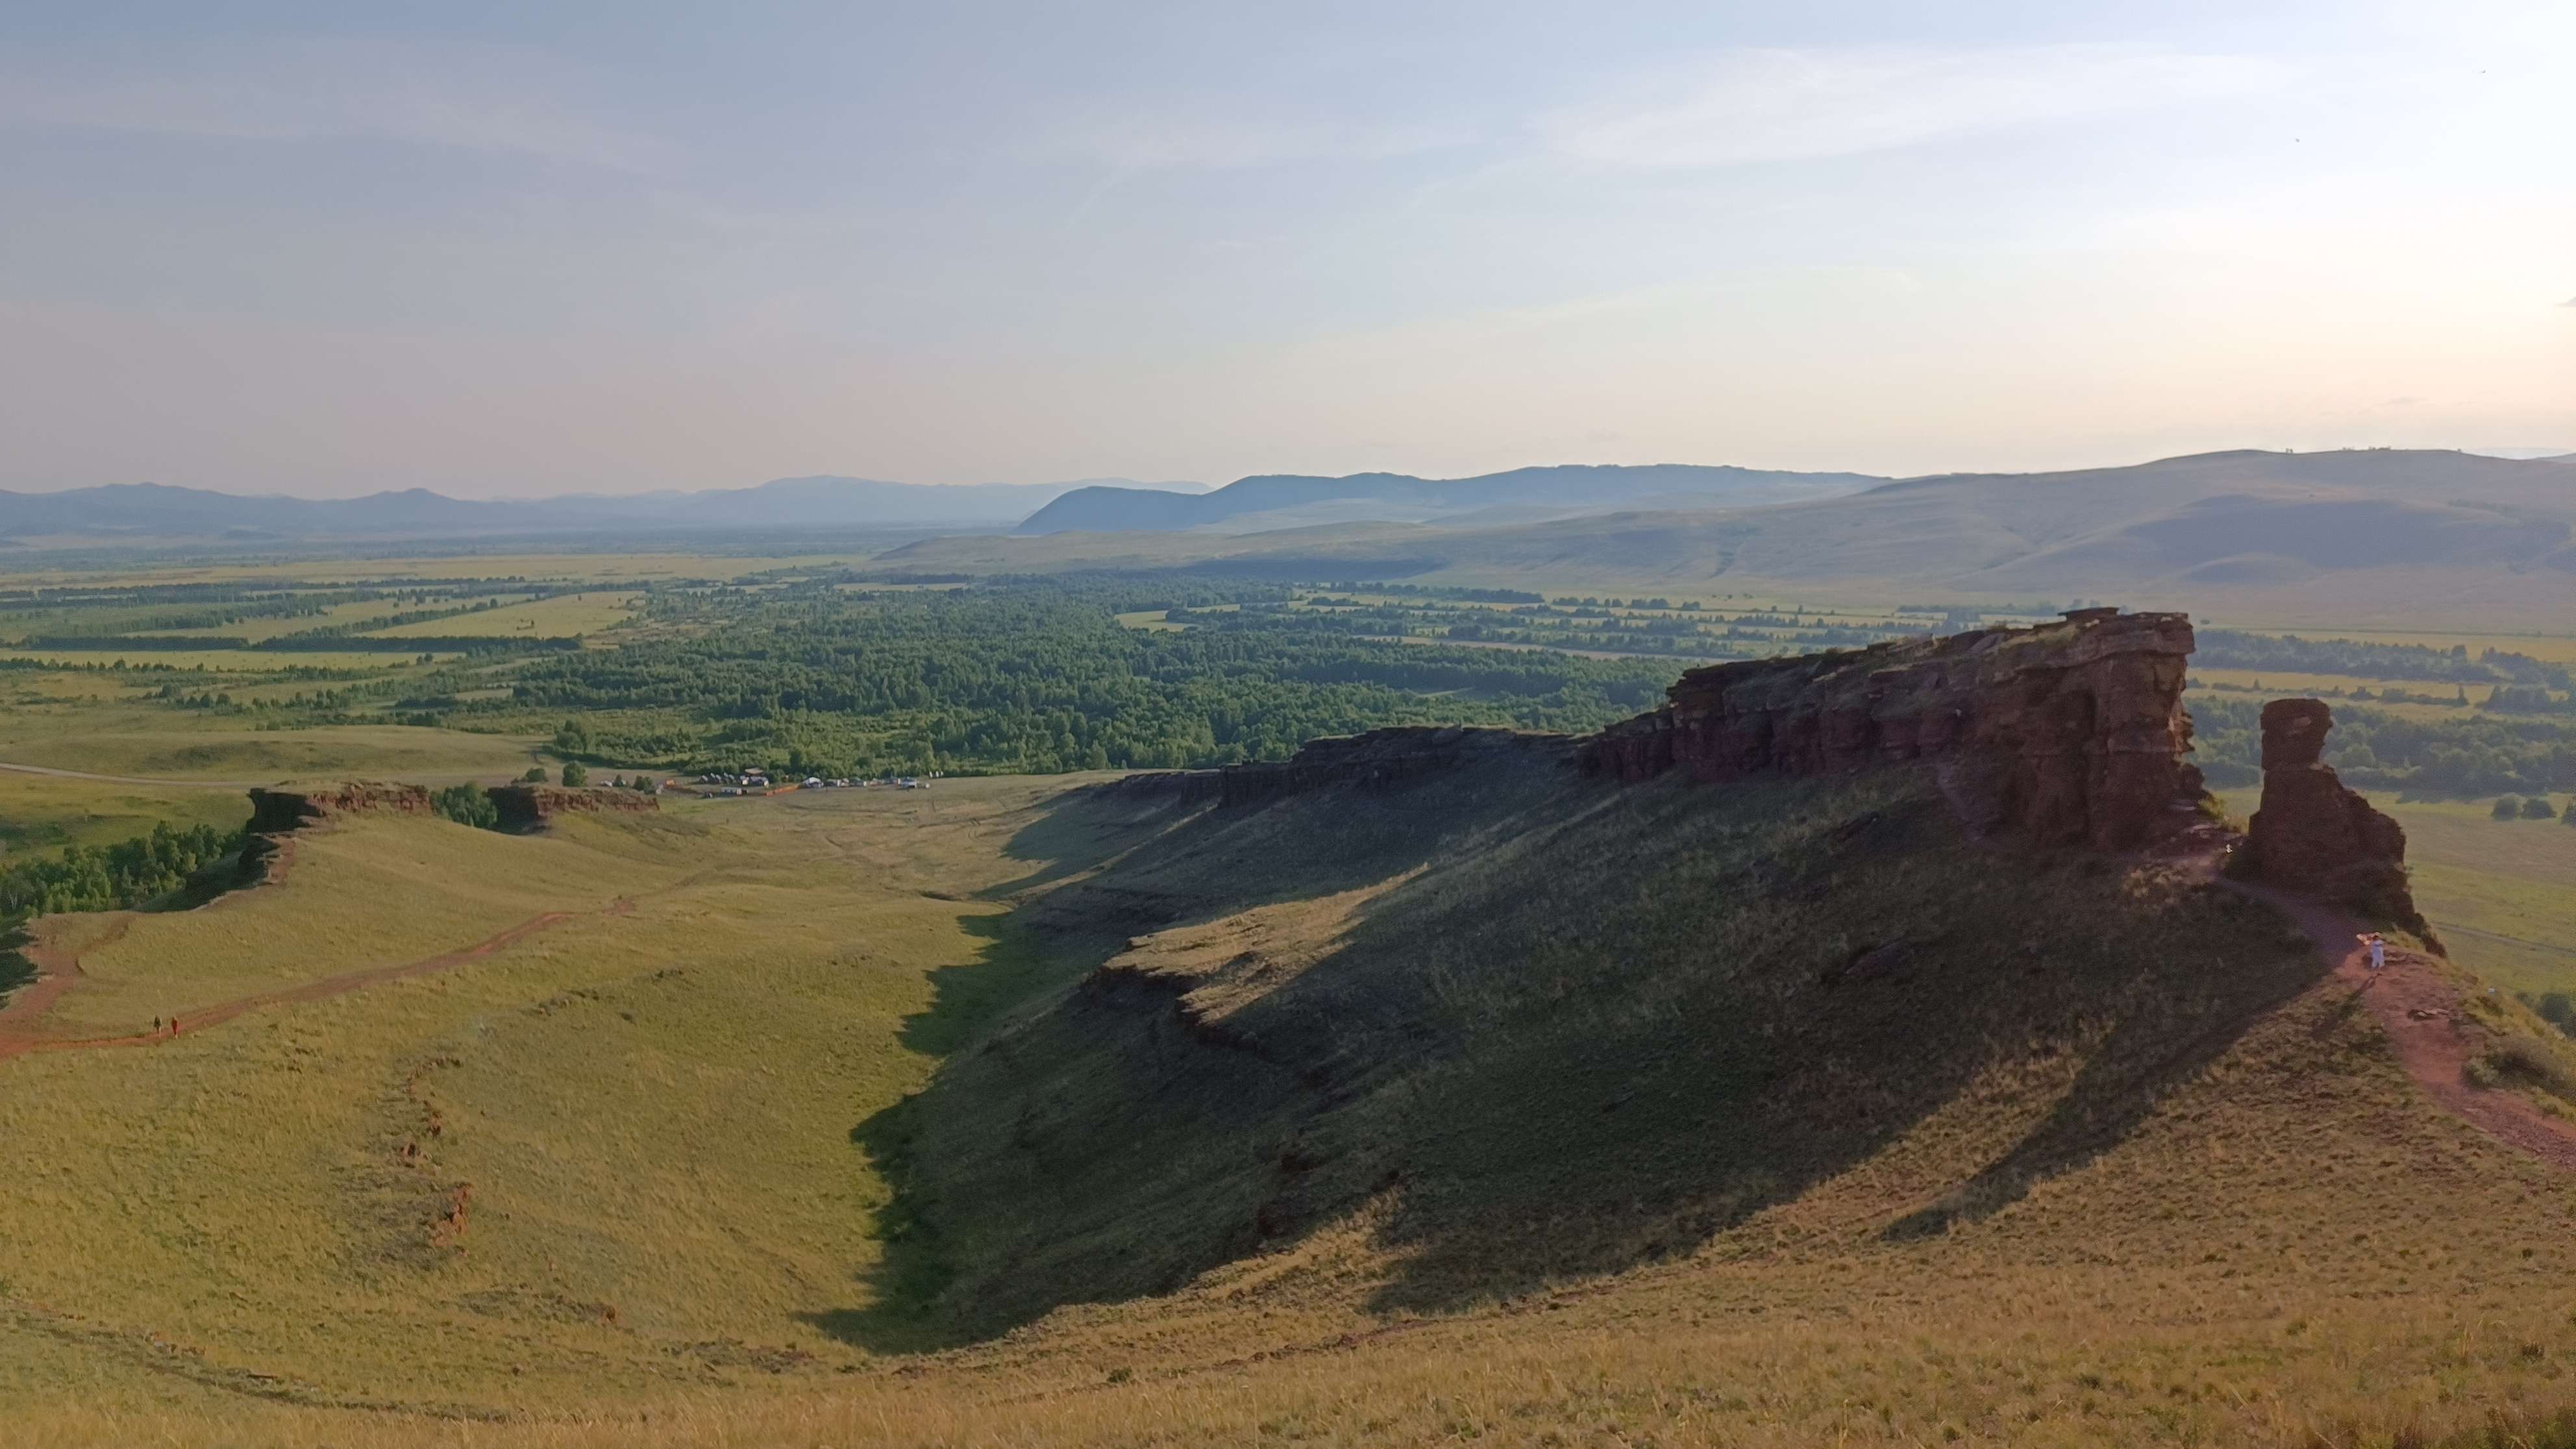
(905, 1282)
(2146, 1056)
(1549, 1049)
(1075, 832)
(15, 969)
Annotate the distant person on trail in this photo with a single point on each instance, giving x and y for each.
(2378, 945)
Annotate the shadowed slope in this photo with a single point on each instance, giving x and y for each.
(1538, 1029)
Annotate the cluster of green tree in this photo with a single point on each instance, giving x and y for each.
(316, 642)
(467, 804)
(2527, 699)
(135, 643)
(1677, 631)
(96, 617)
(1445, 591)
(2455, 758)
(113, 877)
(400, 618)
(1026, 675)
(2512, 807)
(2555, 1007)
(2288, 653)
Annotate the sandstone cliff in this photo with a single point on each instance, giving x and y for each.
(2071, 732)
(283, 808)
(525, 807)
(2314, 836)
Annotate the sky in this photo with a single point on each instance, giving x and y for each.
(514, 250)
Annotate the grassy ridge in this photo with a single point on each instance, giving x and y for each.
(2055, 1177)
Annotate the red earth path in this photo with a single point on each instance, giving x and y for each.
(18, 1020)
(2419, 1010)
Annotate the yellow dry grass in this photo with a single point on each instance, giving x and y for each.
(564, 614)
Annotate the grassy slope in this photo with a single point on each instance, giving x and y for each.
(652, 1111)
(1576, 1028)
(1549, 1105)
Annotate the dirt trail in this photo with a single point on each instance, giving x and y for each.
(2419, 1009)
(18, 1020)
(435, 777)
(131, 779)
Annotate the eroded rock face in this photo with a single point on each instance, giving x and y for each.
(2072, 732)
(292, 807)
(2313, 835)
(525, 807)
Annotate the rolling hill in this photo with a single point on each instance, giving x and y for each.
(2355, 536)
(159, 511)
(1274, 501)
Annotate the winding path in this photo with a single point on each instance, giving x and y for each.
(2419, 1010)
(132, 779)
(18, 1019)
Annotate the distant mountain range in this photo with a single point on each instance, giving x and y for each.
(1286, 500)
(2376, 532)
(158, 511)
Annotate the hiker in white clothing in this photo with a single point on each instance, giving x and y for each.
(2378, 945)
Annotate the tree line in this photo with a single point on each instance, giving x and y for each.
(2470, 756)
(1029, 675)
(112, 877)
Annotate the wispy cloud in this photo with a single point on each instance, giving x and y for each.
(471, 97)
(2570, 302)
(1223, 143)
(1744, 106)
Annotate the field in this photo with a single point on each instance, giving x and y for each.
(564, 614)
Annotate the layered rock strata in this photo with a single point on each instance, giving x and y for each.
(2065, 733)
(283, 808)
(526, 807)
(2313, 835)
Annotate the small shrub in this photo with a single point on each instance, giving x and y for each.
(2508, 807)
(2537, 808)
(2558, 1009)
(536, 775)
(2515, 1062)
(467, 804)
(575, 774)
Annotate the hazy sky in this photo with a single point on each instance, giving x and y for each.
(513, 249)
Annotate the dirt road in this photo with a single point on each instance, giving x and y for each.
(435, 777)
(132, 779)
(18, 1021)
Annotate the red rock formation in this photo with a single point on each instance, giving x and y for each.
(525, 807)
(2071, 732)
(292, 807)
(2314, 836)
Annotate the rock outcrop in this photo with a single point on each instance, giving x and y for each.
(527, 807)
(2064, 733)
(2313, 835)
(1377, 760)
(282, 808)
